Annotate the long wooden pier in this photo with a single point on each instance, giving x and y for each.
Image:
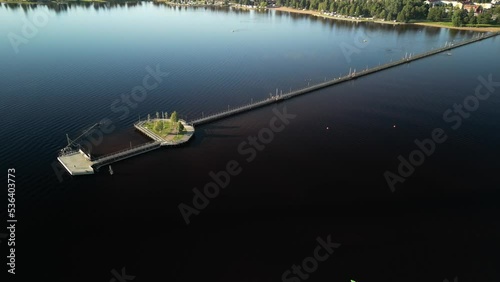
(351, 75)
(77, 162)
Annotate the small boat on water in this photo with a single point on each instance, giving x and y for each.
(110, 170)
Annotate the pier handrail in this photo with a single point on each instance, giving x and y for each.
(272, 99)
(158, 142)
(121, 152)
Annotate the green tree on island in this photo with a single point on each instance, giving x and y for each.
(181, 127)
(158, 126)
(173, 117)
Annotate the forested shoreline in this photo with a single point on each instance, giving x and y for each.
(404, 11)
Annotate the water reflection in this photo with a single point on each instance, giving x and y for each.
(369, 28)
(65, 6)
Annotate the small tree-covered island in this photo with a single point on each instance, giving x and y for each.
(163, 131)
(168, 130)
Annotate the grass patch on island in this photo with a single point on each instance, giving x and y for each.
(170, 129)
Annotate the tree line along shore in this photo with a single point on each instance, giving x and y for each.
(480, 16)
(445, 13)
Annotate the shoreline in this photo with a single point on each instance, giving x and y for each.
(286, 9)
(49, 2)
(196, 4)
(480, 29)
(430, 24)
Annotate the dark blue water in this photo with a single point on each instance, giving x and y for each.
(309, 181)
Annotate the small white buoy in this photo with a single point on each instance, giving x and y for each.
(327, 127)
(394, 126)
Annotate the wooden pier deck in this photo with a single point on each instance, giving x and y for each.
(352, 75)
(78, 163)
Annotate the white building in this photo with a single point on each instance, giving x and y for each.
(454, 3)
(433, 3)
(484, 5)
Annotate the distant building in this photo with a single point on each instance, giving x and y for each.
(485, 5)
(453, 3)
(473, 8)
(433, 3)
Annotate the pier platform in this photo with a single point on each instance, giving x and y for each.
(76, 162)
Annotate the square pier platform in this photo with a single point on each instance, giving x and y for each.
(76, 163)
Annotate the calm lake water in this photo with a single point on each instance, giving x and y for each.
(322, 175)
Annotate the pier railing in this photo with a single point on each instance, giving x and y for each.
(158, 141)
(351, 75)
(126, 153)
(140, 126)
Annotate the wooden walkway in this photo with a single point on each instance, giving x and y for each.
(70, 161)
(352, 75)
(125, 154)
